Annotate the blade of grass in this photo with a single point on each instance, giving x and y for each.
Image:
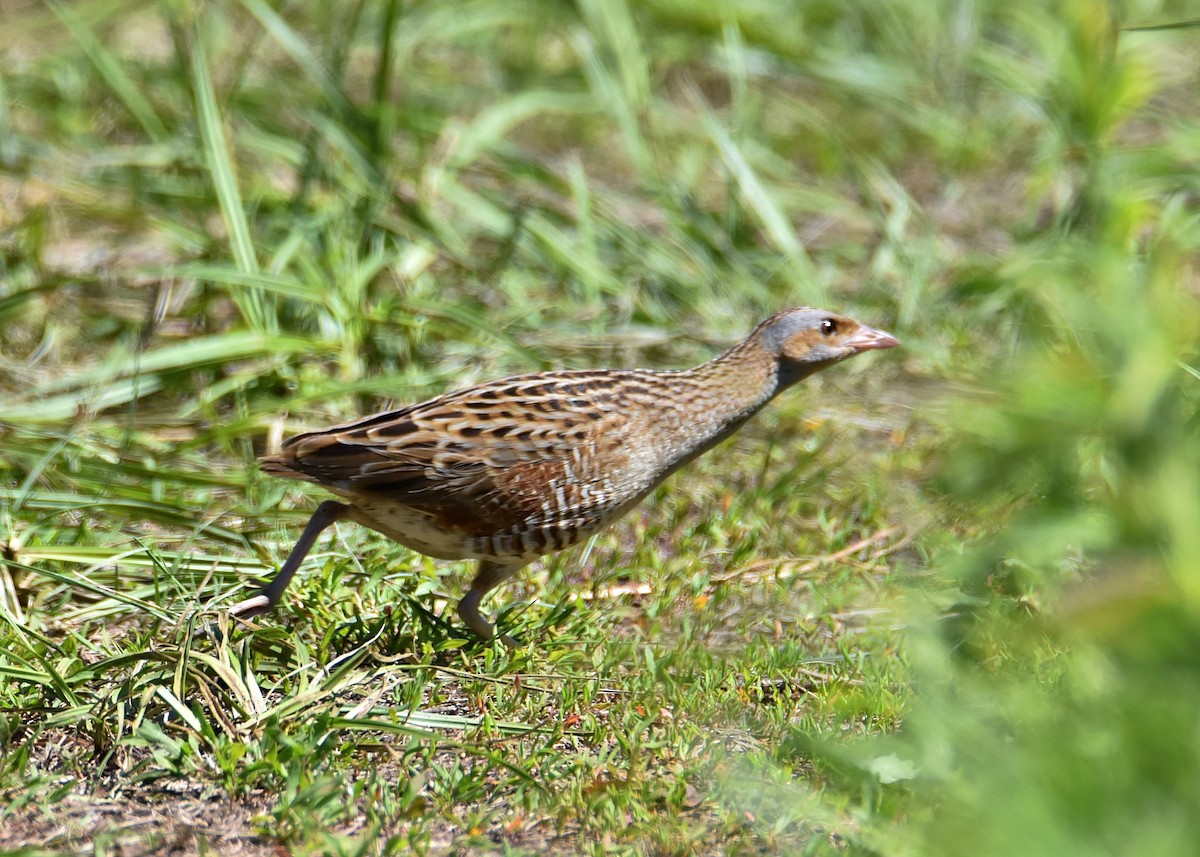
(611, 94)
(164, 513)
(778, 228)
(215, 349)
(78, 582)
(255, 310)
(298, 49)
(53, 676)
(113, 71)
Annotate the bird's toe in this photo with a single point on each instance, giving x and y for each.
(255, 606)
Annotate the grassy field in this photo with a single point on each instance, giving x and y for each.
(940, 600)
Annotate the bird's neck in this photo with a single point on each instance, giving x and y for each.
(738, 382)
(710, 402)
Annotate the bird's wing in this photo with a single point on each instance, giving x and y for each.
(503, 445)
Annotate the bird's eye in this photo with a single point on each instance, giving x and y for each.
(829, 327)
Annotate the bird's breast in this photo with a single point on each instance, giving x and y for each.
(416, 529)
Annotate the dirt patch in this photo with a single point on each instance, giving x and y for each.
(158, 821)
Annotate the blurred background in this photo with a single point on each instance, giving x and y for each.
(940, 600)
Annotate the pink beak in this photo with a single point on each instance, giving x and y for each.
(866, 338)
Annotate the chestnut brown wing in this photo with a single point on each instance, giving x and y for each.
(508, 451)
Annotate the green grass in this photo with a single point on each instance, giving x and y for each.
(939, 600)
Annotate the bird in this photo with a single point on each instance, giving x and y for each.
(510, 470)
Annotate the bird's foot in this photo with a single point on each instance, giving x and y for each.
(468, 610)
(254, 606)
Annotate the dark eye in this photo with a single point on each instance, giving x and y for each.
(829, 327)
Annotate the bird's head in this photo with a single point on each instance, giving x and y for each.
(805, 340)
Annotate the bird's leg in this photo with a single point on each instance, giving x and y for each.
(490, 575)
(327, 513)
